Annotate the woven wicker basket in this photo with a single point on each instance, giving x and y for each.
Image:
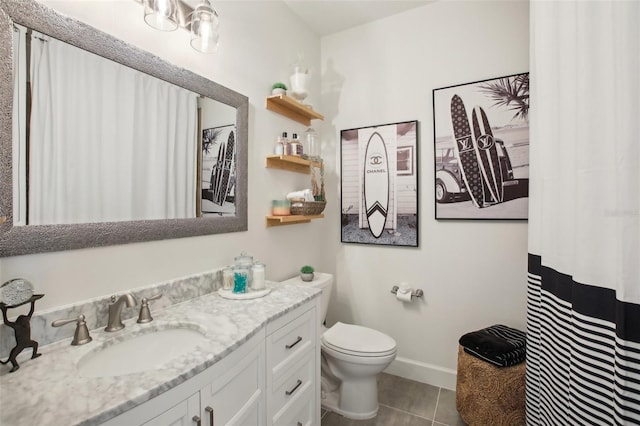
(488, 395)
(307, 208)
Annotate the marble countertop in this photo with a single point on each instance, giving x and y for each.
(49, 389)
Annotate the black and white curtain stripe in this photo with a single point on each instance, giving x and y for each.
(583, 352)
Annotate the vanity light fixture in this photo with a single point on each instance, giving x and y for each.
(202, 21)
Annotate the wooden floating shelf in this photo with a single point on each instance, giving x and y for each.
(290, 220)
(291, 163)
(289, 107)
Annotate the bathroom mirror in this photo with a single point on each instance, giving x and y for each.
(17, 239)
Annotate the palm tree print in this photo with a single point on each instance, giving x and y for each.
(510, 92)
(210, 138)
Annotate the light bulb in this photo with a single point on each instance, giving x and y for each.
(205, 30)
(160, 14)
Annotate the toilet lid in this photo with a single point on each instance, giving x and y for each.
(356, 339)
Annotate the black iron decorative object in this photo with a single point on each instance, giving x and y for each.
(22, 329)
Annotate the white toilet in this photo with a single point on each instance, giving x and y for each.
(352, 358)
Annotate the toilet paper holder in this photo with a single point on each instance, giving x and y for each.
(414, 292)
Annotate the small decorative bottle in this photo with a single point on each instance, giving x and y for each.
(279, 149)
(296, 146)
(286, 146)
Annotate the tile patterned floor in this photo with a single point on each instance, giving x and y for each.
(404, 402)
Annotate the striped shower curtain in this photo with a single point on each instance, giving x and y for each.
(583, 354)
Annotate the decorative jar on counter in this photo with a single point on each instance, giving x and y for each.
(258, 270)
(227, 278)
(245, 261)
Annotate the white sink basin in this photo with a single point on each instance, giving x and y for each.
(139, 352)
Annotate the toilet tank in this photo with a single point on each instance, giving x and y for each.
(324, 282)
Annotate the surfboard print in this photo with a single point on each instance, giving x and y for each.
(216, 172)
(464, 146)
(227, 168)
(376, 184)
(221, 181)
(487, 152)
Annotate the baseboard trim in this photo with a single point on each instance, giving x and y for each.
(422, 372)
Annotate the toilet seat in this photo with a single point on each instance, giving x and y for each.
(358, 341)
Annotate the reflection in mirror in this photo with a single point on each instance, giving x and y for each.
(108, 143)
(218, 159)
(103, 143)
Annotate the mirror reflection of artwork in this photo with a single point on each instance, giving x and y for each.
(218, 170)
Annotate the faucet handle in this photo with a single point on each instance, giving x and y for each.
(81, 335)
(145, 313)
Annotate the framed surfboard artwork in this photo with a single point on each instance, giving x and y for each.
(379, 184)
(481, 149)
(217, 171)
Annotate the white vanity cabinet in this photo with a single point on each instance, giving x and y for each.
(231, 392)
(293, 369)
(271, 379)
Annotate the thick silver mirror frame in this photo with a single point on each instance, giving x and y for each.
(19, 240)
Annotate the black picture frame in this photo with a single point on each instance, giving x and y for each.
(492, 180)
(369, 155)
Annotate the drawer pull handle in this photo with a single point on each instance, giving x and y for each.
(295, 388)
(298, 340)
(210, 411)
(197, 420)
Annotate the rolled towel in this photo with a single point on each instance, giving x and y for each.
(304, 194)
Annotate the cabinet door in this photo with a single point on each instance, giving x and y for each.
(181, 414)
(237, 397)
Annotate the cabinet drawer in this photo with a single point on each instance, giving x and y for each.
(290, 343)
(293, 387)
(298, 412)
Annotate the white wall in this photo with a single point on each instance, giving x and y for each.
(259, 42)
(473, 273)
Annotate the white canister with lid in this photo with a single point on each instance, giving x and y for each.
(246, 261)
(259, 276)
(227, 278)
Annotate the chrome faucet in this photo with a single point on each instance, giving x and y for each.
(115, 311)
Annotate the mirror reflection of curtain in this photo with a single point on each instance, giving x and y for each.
(107, 143)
